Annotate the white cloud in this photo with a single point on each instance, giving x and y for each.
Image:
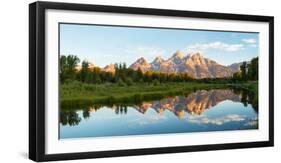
(253, 45)
(216, 45)
(219, 120)
(252, 123)
(147, 120)
(249, 41)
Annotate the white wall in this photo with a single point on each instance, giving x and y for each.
(14, 79)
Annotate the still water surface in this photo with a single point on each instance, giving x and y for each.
(200, 111)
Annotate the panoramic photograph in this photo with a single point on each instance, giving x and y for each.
(128, 81)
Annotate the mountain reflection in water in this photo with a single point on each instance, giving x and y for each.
(237, 107)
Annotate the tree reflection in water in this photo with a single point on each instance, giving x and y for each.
(193, 103)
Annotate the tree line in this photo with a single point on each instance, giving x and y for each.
(248, 71)
(127, 76)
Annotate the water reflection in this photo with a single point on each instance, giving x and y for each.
(70, 117)
(195, 103)
(191, 109)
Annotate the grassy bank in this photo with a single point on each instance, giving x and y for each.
(77, 94)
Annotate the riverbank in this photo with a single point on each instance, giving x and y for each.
(77, 94)
(81, 93)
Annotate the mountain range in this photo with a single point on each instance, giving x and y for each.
(194, 64)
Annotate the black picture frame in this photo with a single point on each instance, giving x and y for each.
(37, 79)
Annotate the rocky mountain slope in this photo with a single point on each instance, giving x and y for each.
(194, 64)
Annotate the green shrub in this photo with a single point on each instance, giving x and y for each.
(129, 81)
(121, 83)
(155, 82)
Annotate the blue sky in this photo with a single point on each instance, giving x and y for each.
(103, 45)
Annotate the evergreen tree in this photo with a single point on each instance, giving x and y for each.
(243, 69)
(85, 72)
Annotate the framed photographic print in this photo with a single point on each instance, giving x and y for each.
(117, 81)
